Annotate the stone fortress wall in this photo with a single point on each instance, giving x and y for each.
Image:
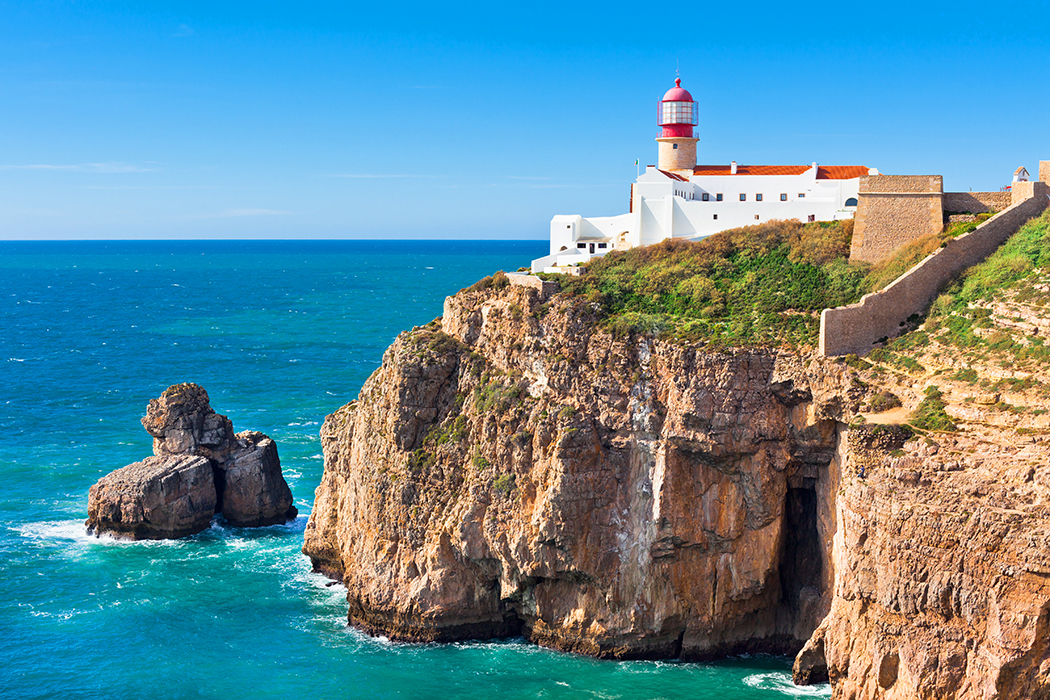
(975, 202)
(893, 210)
(857, 327)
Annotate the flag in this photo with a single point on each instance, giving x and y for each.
(636, 161)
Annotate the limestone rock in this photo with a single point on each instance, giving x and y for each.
(254, 491)
(182, 421)
(510, 471)
(514, 469)
(158, 498)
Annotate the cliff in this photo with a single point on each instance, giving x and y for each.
(516, 468)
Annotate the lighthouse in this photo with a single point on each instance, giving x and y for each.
(677, 115)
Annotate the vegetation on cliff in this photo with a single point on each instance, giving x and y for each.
(1003, 288)
(763, 284)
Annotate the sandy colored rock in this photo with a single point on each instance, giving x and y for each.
(158, 498)
(508, 471)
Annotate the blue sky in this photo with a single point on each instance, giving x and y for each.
(405, 120)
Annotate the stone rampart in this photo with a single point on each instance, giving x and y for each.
(975, 202)
(856, 328)
(545, 288)
(894, 210)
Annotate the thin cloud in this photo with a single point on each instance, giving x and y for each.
(370, 176)
(108, 167)
(235, 213)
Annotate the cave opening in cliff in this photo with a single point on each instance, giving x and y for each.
(801, 558)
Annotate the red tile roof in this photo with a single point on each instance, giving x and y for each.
(841, 172)
(674, 177)
(824, 172)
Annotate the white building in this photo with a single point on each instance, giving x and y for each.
(679, 199)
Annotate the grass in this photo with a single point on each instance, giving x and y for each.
(760, 284)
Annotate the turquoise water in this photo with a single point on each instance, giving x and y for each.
(280, 334)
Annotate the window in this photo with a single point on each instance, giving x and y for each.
(568, 226)
(801, 195)
(756, 217)
(812, 218)
(851, 202)
(783, 197)
(581, 245)
(743, 197)
(705, 196)
(603, 245)
(718, 197)
(716, 216)
(674, 146)
(758, 197)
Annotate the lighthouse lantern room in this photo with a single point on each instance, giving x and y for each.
(677, 115)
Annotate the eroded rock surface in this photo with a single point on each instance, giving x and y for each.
(165, 496)
(512, 469)
(254, 491)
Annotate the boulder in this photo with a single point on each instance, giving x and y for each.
(253, 490)
(161, 497)
(182, 421)
(200, 467)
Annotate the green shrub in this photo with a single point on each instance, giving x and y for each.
(930, 414)
(884, 401)
(504, 483)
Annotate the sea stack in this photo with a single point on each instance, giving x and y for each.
(200, 467)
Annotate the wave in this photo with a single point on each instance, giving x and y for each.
(781, 682)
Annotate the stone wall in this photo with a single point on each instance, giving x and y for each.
(856, 328)
(545, 288)
(1044, 171)
(975, 202)
(676, 153)
(894, 210)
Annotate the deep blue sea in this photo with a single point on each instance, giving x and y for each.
(280, 333)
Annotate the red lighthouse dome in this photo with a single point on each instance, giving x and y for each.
(677, 112)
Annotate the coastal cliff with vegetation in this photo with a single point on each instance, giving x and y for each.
(654, 463)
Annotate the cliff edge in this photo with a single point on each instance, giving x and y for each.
(519, 467)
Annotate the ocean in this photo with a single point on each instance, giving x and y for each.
(280, 333)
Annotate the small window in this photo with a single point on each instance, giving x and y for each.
(851, 202)
(758, 197)
(705, 196)
(801, 195)
(716, 216)
(718, 197)
(674, 146)
(581, 245)
(743, 197)
(756, 217)
(603, 245)
(812, 218)
(568, 226)
(784, 197)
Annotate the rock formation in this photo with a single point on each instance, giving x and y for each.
(503, 473)
(158, 498)
(513, 468)
(200, 467)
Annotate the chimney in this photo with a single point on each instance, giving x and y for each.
(732, 168)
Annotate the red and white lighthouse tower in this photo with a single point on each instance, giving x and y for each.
(677, 114)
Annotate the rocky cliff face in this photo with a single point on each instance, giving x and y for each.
(513, 469)
(510, 469)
